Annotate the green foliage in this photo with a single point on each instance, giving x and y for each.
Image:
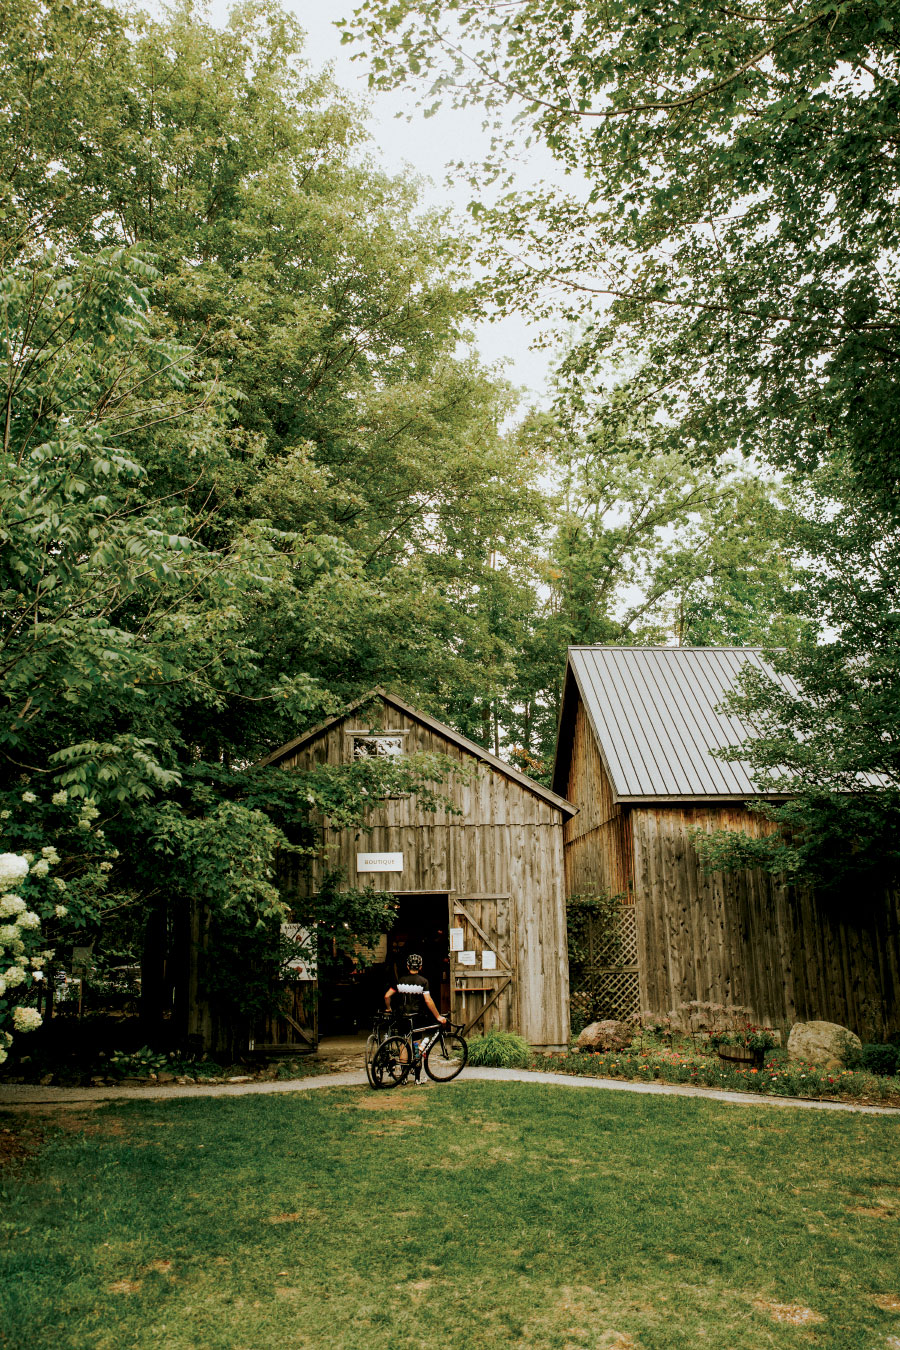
(883, 1060)
(727, 236)
(500, 1050)
(248, 469)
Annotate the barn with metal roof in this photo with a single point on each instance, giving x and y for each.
(638, 732)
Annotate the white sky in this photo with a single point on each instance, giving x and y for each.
(426, 147)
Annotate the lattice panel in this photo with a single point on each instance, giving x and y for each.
(606, 983)
(616, 944)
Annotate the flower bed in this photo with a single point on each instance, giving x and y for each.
(686, 1063)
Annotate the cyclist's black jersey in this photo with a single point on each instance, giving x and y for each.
(411, 1003)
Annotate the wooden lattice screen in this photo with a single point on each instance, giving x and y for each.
(604, 969)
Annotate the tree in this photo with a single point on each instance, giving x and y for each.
(735, 238)
(245, 473)
(647, 547)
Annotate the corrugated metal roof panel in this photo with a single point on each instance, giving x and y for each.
(654, 712)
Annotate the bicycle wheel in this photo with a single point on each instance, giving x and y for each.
(390, 1065)
(372, 1045)
(446, 1057)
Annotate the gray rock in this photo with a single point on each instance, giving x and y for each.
(824, 1043)
(609, 1035)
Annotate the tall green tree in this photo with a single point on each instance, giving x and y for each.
(729, 226)
(246, 473)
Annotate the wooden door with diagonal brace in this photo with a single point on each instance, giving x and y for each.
(484, 993)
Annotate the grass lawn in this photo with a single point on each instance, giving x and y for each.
(477, 1215)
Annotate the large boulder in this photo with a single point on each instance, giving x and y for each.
(824, 1043)
(608, 1035)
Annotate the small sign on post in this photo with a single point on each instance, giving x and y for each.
(379, 862)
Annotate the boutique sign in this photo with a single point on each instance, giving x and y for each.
(379, 862)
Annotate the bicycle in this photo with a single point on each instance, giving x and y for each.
(384, 1024)
(443, 1055)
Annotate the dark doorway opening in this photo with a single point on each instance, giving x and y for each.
(348, 1002)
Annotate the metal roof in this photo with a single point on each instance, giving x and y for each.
(654, 714)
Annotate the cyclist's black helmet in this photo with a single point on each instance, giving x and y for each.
(414, 961)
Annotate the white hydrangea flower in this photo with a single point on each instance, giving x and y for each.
(5, 1038)
(29, 797)
(60, 798)
(26, 1019)
(13, 867)
(37, 975)
(37, 962)
(2, 985)
(8, 933)
(10, 905)
(59, 883)
(4, 815)
(3, 1056)
(50, 853)
(21, 960)
(106, 867)
(29, 919)
(14, 976)
(41, 868)
(16, 945)
(60, 911)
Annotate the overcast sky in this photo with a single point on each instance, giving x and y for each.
(424, 146)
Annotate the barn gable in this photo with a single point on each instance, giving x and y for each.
(430, 736)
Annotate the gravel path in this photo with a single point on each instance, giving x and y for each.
(20, 1095)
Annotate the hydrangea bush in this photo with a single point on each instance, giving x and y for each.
(53, 879)
(21, 956)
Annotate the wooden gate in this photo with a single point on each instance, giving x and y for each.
(482, 968)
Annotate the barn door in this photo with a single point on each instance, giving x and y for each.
(482, 962)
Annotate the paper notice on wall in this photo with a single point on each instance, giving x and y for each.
(488, 960)
(456, 939)
(466, 958)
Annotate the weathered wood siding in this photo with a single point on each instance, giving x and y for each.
(598, 840)
(742, 938)
(504, 841)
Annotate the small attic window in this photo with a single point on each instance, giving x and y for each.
(385, 745)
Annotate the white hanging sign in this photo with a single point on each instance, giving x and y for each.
(466, 958)
(379, 862)
(488, 960)
(456, 939)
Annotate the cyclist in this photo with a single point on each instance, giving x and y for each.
(414, 991)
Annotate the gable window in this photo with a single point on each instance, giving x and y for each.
(382, 746)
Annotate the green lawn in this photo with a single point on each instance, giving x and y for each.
(477, 1215)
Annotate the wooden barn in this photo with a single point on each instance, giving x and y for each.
(479, 890)
(637, 728)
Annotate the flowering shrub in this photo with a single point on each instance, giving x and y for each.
(776, 1076)
(21, 960)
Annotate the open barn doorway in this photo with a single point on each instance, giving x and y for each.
(350, 998)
